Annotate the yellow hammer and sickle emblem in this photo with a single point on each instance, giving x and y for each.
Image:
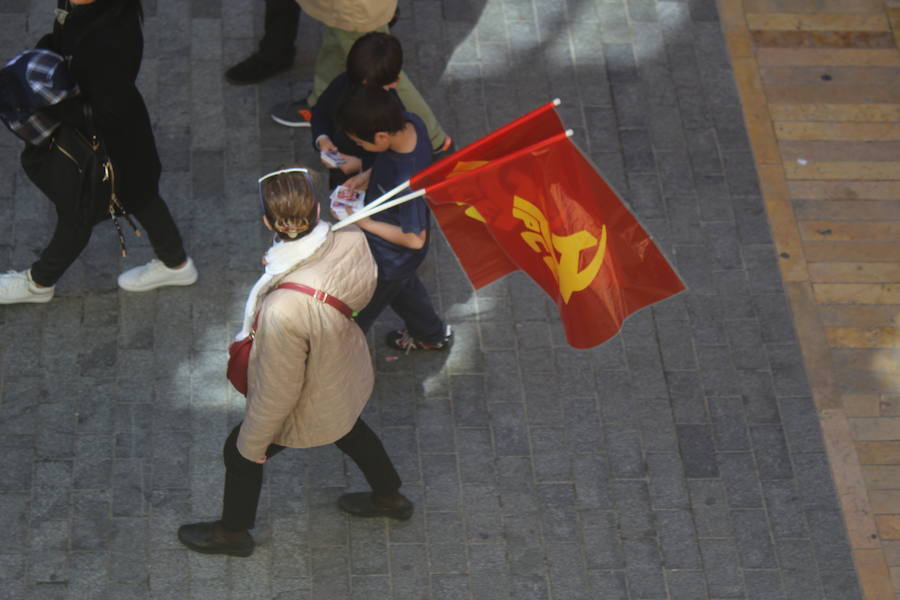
(460, 168)
(565, 267)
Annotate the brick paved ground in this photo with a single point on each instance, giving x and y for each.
(681, 460)
(818, 87)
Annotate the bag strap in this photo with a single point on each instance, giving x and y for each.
(318, 295)
(88, 113)
(61, 6)
(89, 128)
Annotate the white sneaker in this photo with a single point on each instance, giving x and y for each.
(155, 274)
(16, 287)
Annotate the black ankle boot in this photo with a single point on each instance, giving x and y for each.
(367, 504)
(212, 538)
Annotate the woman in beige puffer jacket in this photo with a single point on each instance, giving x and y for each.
(310, 372)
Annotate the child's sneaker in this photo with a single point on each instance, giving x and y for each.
(17, 287)
(156, 274)
(292, 114)
(401, 340)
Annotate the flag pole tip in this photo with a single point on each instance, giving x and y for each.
(557, 102)
(569, 133)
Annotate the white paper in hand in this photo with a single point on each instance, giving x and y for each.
(332, 159)
(343, 198)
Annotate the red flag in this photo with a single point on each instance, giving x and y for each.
(527, 130)
(475, 248)
(555, 218)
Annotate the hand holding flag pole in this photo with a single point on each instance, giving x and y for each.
(383, 198)
(377, 206)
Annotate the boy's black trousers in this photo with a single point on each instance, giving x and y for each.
(410, 300)
(280, 31)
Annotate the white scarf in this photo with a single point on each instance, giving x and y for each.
(281, 258)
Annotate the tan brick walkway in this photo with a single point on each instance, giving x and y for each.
(820, 85)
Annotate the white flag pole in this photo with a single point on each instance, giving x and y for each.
(385, 197)
(380, 205)
(384, 206)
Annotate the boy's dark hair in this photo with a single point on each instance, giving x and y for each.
(375, 59)
(368, 110)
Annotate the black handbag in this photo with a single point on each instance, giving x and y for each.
(72, 170)
(76, 174)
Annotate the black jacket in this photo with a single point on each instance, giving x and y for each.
(324, 120)
(325, 117)
(106, 46)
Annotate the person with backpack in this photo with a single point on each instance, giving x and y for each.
(103, 43)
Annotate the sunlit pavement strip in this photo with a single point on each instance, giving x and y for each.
(681, 460)
(820, 95)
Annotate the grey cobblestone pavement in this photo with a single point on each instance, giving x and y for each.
(681, 460)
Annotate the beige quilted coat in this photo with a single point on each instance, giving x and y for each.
(310, 372)
(351, 15)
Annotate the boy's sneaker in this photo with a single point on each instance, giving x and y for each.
(402, 340)
(254, 69)
(156, 274)
(17, 287)
(292, 114)
(445, 150)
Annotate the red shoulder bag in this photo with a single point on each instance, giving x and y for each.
(239, 351)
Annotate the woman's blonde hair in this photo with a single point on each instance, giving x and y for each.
(289, 201)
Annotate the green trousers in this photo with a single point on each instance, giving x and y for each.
(331, 62)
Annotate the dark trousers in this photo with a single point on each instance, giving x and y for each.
(243, 478)
(410, 300)
(71, 237)
(281, 23)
